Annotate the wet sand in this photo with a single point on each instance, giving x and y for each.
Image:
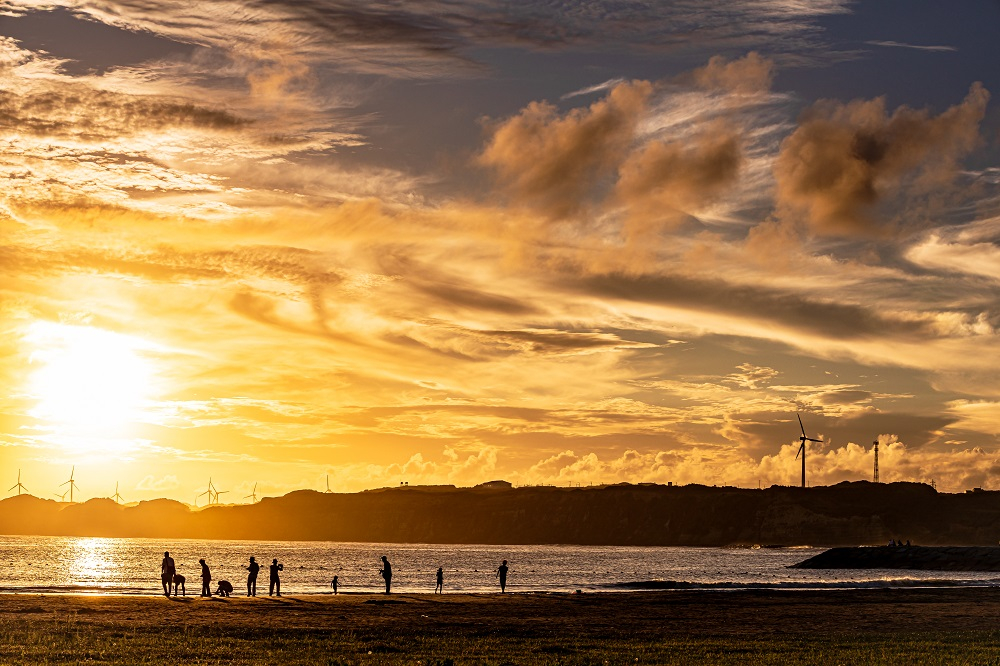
(486, 628)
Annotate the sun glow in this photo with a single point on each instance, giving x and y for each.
(87, 379)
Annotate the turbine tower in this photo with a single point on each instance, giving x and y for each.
(253, 494)
(802, 448)
(18, 485)
(876, 461)
(116, 497)
(71, 483)
(328, 483)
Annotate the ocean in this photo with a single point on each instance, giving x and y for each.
(83, 565)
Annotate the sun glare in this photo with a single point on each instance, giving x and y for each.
(86, 378)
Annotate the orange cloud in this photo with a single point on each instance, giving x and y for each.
(751, 74)
(844, 159)
(662, 181)
(554, 163)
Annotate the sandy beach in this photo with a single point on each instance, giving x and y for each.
(842, 626)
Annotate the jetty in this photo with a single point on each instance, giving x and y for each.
(931, 558)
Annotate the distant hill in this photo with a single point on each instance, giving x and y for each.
(645, 514)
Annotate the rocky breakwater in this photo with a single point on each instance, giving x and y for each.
(933, 558)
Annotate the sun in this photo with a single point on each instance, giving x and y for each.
(86, 378)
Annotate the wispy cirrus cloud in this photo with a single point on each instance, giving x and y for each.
(917, 47)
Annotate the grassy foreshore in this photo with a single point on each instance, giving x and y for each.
(736, 627)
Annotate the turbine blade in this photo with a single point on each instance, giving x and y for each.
(800, 425)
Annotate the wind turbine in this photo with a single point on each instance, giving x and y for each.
(208, 492)
(253, 494)
(18, 485)
(802, 448)
(328, 483)
(62, 498)
(219, 492)
(71, 483)
(116, 497)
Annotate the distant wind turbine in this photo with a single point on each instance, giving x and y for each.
(219, 492)
(62, 498)
(116, 497)
(802, 448)
(18, 485)
(253, 494)
(210, 492)
(71, 483)
(328, 483)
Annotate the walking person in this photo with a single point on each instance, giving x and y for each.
(439, 588)
(252, 569)
(206, 579)
(167, 572)
(333, 584)
(386, 573)
(502, 575)
(275, 582)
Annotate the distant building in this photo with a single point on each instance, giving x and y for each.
(496, 485)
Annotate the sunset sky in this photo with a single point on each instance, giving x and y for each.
(448, 242)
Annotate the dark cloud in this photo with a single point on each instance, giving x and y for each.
(557, 341)
(468, 297)
(788, 309)
(87, 113)
(844, 397)
(408, 39)
(845, 159)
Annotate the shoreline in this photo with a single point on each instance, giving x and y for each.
(628, 588)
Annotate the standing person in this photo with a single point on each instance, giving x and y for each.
(275, 580)
(206, 579)
(386, 573)
(334, 584)
(502, 575)
(439, 588)
(167, 571)
(252, 570)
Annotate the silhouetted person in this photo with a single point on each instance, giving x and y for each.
(502, 575)
(275, 587)
(252, 570)
(179, 582)
(333, 584)
(167, 571)
(907, 543)
(386, 573)
(439, 588)
(206, 579)
(225, 588)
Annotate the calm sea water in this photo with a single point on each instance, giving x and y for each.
(132, 566)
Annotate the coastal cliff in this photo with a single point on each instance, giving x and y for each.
(645, 514)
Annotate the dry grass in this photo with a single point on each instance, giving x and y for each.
(847, 626)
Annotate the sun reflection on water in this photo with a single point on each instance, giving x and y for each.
(94, 561)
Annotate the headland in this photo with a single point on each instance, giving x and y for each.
(846, 514)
